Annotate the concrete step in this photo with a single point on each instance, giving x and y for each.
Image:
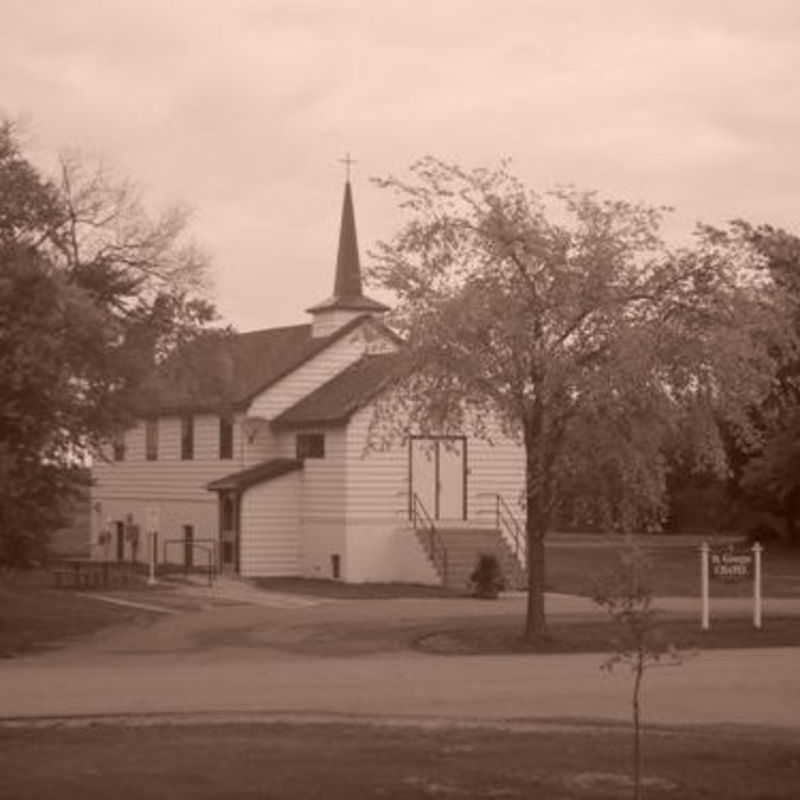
(465, 546)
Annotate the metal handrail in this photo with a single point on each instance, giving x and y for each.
(506, 519)
(210, 551)
(436, 546)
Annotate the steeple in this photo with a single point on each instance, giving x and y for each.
(348, 299)
(348, 266)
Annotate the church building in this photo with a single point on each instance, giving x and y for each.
(278, 481)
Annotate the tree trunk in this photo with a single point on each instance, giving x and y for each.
(535, 625)
(537, 519)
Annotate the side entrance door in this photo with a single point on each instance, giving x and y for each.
(438, 475)
(229, 532)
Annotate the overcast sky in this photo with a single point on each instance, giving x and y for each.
(243, 109)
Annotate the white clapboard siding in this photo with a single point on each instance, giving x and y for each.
(309, 376)
(494, 468)
(327, 322)
(270, 527)
(325, 479)
(377, 482)
(169, 477)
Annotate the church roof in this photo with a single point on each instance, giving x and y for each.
(347, 290)
(336, 401)
(229, 371)
(258, 473)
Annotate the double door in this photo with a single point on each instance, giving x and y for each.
(438, 475)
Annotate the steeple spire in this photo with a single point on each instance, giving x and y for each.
(348, 267)
(347, 291)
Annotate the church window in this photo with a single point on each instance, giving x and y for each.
(187, 437)
(226, 437)
(151, 439)
(310, 445)
(118, 447)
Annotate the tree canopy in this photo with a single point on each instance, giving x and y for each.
(93, 294)
(564, 319)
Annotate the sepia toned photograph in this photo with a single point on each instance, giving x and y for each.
(400, 400)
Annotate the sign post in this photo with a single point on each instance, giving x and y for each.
(704, 612)
(757, 548)
(731, 566)
(152, 531)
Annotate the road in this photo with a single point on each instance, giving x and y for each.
(202, 661)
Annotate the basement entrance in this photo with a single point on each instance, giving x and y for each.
(437, 468)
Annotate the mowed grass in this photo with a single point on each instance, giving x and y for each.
(34, 616)
(325, 587)
(504, 636)
(575, 567)
(344, 761)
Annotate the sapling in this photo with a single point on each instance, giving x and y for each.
(626, 594)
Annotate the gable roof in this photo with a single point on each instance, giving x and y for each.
(258, 473)
(336, 401)
(229, 371)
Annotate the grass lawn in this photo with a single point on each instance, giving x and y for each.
(503, 635)
(324, 587)
(345, 761)
(34, 616)
(573, 568)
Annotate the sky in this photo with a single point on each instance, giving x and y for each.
(243, 109)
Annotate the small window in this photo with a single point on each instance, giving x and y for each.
(118, 447)
(187, 437)
(226, 437)
(151, 439)
(310, 445)
(228, 514)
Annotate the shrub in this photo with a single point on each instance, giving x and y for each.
(487, 579)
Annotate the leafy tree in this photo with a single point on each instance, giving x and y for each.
(564, 319)
(768, 474)
(93, 294)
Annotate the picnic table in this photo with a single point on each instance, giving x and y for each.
(90, 573)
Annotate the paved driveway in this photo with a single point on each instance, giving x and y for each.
(227, 655)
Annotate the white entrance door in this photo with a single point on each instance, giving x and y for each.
(451, 479)
(438, 471)
(423, 473)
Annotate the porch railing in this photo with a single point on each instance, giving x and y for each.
(508, 524)
(210, 550)
(423, 523)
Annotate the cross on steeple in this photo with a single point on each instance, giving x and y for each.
(348, 162)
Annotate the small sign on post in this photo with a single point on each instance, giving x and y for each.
(730, 566)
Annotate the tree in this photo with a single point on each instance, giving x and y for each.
(626, 594)
(93, 294)
(769, 473)
(565, 319)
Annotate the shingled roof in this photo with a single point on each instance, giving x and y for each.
(336, 401)
(258, 473)
(230, 371)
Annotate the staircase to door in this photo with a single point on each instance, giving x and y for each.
(454, 550)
